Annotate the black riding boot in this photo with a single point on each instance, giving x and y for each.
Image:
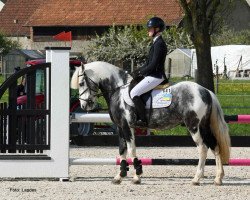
(140, 111)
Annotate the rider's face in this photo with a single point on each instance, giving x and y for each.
(151, 32)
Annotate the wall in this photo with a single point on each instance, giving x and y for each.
(180, 64)
(11, 61)
(25, 42)
(77, 45)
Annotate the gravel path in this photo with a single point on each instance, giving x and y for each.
(158, 182)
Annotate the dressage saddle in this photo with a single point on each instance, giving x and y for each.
(163, 85)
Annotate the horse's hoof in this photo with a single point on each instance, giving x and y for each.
(136, 181)
(217, 182)
(116, 181)
(195, 183)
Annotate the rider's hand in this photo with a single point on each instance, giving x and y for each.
(136, 74)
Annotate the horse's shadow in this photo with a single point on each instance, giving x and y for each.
(232, 181)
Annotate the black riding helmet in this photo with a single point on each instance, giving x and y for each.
(156, 22)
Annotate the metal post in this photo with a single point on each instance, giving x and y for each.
(217, 77)
(169, 68)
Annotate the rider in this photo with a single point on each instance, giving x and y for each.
(152, 71)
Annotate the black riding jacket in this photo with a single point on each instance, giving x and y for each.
(156, 60)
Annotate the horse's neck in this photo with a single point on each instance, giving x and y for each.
(110, 84)
(112, 78)
(109, 77)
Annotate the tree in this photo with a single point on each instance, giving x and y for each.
(177, 38)
(119, 43)
(200, 22)
(132, 42)
(227, 36)
(6, 45)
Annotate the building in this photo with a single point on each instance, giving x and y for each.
(232, 61)
(13, 16)
(36, 22)
(33, 23)
(87, 19)
(180, 63)
(17, 59)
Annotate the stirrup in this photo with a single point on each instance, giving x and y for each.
(139, 123)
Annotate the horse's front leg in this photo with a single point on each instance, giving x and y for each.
(136, 162)
(123, 153)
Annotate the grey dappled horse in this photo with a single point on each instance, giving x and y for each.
(192, 105)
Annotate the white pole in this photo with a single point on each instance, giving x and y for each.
(92, 161)
(59, 110)
(90, 117)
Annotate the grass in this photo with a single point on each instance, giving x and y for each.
(234, 97)
(233, 105)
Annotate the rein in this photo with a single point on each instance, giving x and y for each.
(89, 100)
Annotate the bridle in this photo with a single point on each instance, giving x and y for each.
(88, 80)
(89, 100)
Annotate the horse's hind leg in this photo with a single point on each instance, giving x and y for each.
(196, 129)
(123, 153)
(202, 149)
(219, 167)
(137, 163)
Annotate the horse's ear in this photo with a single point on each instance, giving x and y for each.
(74, 79)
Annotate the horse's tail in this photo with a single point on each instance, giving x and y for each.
(220, 130)
(74, 80)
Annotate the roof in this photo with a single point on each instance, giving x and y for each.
(103, 12)
(32, 54)
(187, 52)
(15, 14)
(1, 5)
(28, 54)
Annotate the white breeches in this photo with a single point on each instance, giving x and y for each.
(145, 85)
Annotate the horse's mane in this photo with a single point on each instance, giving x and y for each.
(74, 80)
(99, 70)
(102, 68)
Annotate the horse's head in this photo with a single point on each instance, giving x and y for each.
(87, 87)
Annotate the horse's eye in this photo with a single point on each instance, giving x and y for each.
(81, 84)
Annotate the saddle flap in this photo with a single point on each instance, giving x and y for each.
(161, 97)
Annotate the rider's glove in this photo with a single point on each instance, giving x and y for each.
(136, 74)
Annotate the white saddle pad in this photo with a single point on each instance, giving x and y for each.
(161, 97)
